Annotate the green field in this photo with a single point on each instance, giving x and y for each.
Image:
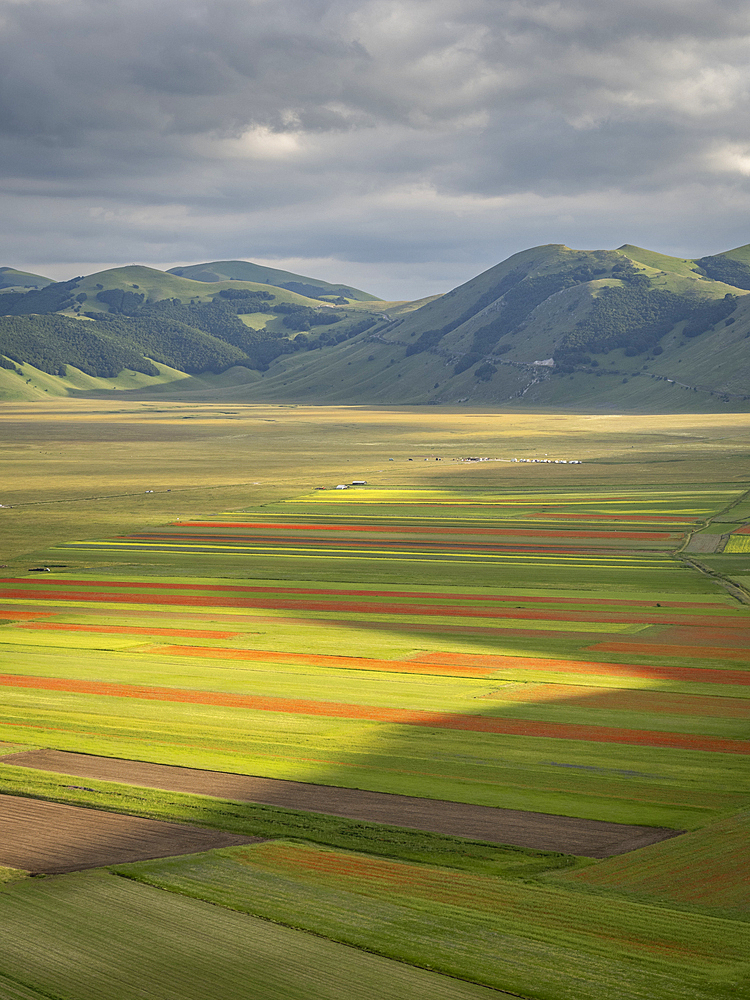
(96, 937)
(523, 635)
(534, 940)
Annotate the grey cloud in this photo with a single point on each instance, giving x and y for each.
(292, 127)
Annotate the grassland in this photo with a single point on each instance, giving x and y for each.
(96, 937)
(80, 469)
(494, 633)
(529, 939)
(698, 870)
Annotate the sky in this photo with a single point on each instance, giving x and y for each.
(401, 146)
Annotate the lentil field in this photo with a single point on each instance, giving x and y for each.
(463, 639)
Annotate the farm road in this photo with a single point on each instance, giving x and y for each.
(541, 831)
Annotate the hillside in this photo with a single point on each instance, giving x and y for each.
(11, 278)
(243, 270)
(138, 321)
(548, 327)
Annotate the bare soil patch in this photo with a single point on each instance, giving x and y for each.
(541, 831)
(706, 543)
(53, 838)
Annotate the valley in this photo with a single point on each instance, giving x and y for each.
(480, 725)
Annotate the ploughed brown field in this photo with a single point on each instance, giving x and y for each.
(52, 838)
(583, 837)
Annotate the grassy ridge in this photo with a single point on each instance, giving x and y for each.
(242, 270)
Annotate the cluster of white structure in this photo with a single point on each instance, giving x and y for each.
(547, 461)
(550, 461)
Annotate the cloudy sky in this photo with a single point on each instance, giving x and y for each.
(399, 145)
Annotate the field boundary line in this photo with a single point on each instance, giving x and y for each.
(734, 590)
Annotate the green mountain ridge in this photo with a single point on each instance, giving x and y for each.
(548, 327)
(243, 270)
(11, 278)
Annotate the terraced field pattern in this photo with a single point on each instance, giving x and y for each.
(549, 652)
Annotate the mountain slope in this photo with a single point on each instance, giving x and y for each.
(243, 270)
(11, 278)
(136, 318)
(549, 326)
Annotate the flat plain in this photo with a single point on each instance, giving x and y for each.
(508, 635)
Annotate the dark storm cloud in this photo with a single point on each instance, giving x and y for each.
(369, 130)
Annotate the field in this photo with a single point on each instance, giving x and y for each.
(51, 837)
(92, 935)
(523, 638)
(512, 936)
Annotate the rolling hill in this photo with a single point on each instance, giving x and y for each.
(13, 279)
(548, 327)
(136, 326)
(243, 270)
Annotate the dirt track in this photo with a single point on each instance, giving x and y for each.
(588, 838)
(53, 838)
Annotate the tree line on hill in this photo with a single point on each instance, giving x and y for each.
(518, 295)
(52, 342)
(726, 269)
(636, 318)
(191, 337)
(631, 315)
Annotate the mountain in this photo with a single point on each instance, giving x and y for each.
(243, 270)
(11, 278)
(548, 327)
(136, 326)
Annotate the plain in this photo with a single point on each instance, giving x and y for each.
(524, 635)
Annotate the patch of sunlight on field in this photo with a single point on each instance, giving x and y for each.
(738, 543)
(15, 637)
